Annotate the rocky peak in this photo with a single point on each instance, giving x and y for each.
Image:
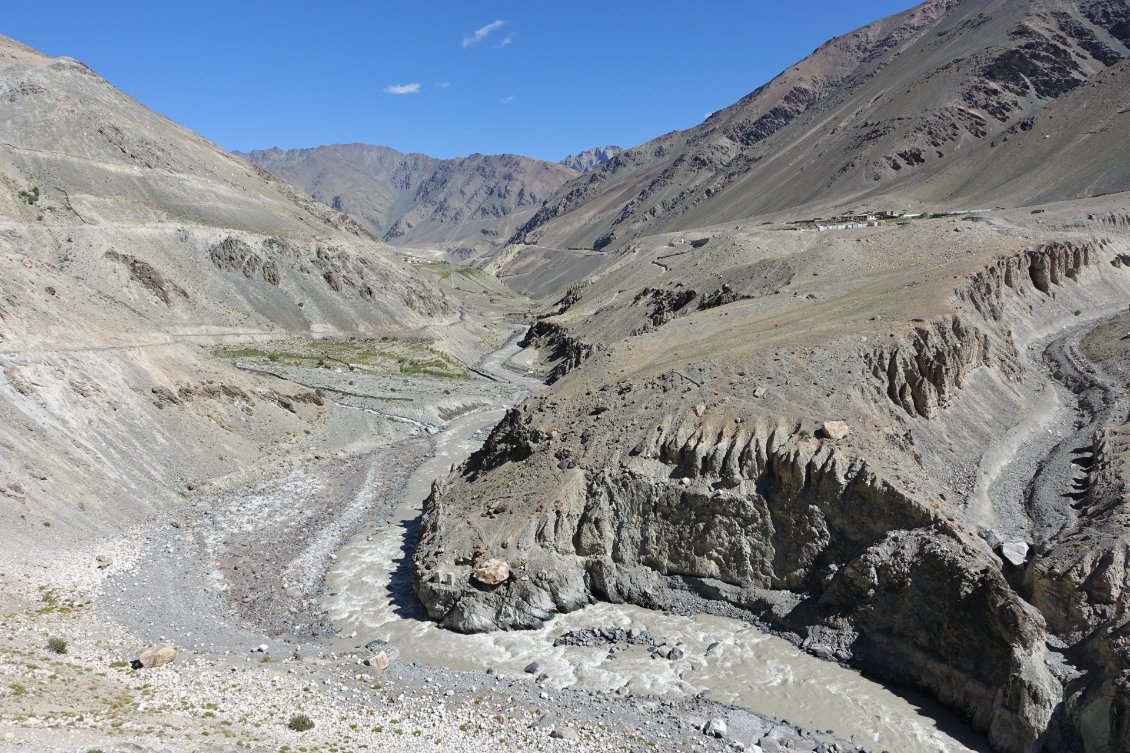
(591, 159)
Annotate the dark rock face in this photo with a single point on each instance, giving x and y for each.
(979, 629)
(1037, 66)
(665, 304)
(146, 275)
(234, 255)
(796, 101)
(1111, 15)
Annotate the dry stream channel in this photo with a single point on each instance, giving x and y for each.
(370, 597)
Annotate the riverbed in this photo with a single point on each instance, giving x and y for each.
(369, 597)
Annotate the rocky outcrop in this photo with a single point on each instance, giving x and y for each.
(564, 350)
(923, 372)
(981, 650)
(1113, 220)
(663, 305)
(234, 255)
(768, 510)
(146, 275)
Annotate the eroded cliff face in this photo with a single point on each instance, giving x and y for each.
(862, 548)
(1081, 583)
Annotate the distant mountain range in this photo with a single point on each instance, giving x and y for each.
(906, 111)
(466, 206)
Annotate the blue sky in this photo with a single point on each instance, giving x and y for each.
(544, 79)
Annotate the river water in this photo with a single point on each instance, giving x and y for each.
(371, 595)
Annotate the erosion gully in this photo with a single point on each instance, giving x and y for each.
(369, 597)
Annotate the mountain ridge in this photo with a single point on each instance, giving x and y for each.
(935, 82)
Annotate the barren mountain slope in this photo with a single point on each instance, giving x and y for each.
(866, 118)
(131, 246)
(1074, 146)
(464, 206)
(682, 460)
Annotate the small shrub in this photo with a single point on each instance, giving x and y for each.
(57, 645)
(300, 723)
(18, 689)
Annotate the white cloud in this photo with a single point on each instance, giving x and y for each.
(402, 89)
(442, 84)
(482, 33)
(507, 100)
(505, 42)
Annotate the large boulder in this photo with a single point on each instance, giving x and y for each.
(835, 429)
(157, 655)
(378, 660)
(491, 572)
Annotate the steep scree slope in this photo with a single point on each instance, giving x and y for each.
(129, 246)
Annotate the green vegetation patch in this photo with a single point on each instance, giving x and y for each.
(384, 355)
(463, 277)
